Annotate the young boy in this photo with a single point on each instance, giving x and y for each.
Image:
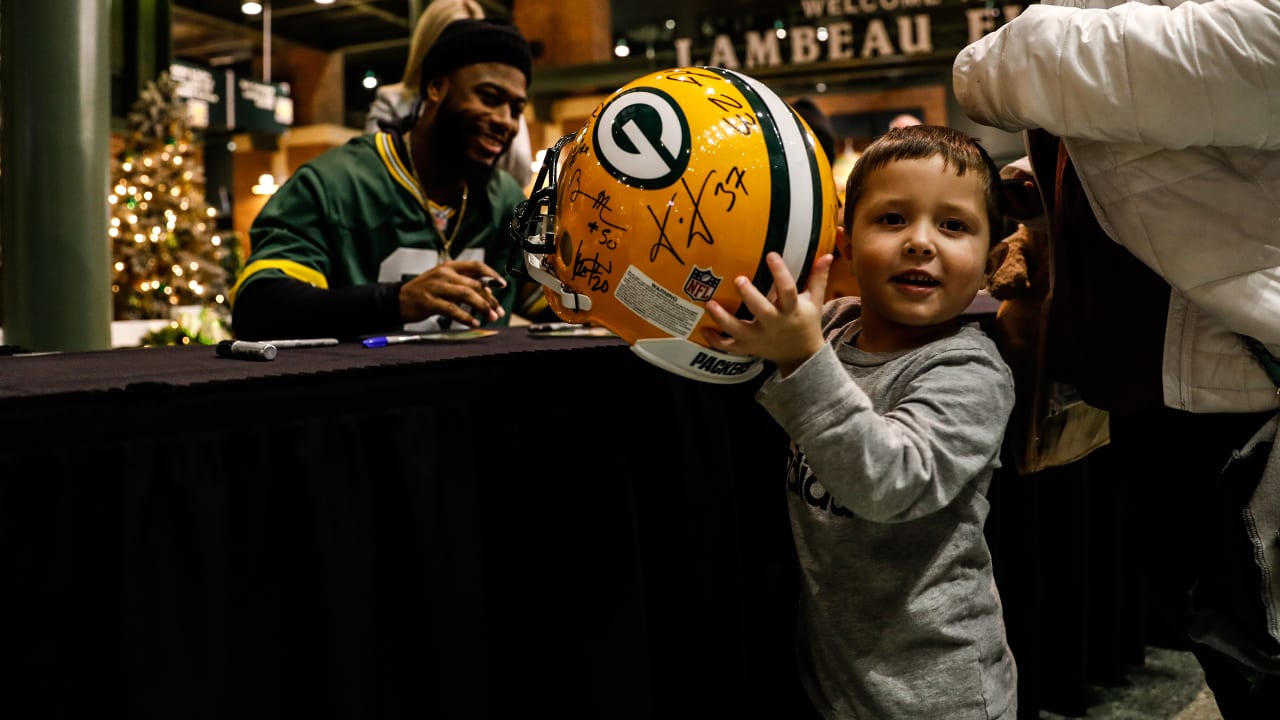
(896, 414)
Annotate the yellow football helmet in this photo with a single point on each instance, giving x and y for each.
(679, 181)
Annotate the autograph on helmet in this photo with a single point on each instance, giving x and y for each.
(698, 227)
(600, 202)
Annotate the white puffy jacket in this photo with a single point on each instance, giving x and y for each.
(1171, 114)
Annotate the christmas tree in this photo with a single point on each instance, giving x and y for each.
(166, 250)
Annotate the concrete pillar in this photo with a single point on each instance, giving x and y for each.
(56, 279)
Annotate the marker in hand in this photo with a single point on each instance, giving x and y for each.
(490, 282)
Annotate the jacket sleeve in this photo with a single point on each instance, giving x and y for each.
(283, 289)
(287, 308)
(1200, 73)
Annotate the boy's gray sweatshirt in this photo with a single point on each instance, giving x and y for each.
(891, 457)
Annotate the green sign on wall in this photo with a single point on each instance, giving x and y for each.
(218, 100)
(262, 107)
(205, 92)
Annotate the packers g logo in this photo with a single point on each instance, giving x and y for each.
(642, 139)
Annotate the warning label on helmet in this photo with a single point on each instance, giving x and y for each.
(656, 304)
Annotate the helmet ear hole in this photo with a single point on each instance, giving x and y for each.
(564, 247)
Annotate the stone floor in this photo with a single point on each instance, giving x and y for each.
(1170, 686)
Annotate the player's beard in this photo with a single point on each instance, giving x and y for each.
(450, 139)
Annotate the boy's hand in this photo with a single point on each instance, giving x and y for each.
(786, 327)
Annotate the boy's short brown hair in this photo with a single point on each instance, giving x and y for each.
(919, 142)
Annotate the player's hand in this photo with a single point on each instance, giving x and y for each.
(452, 290)
(786, 326)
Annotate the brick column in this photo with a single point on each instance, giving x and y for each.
(317, 88)
(571, 33)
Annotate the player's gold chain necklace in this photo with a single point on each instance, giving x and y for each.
(440, 215)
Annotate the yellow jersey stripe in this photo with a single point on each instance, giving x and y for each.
(295, 270)
(399, 170)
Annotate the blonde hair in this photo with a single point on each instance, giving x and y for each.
(431, 23)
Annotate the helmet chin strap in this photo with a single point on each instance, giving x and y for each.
(576, 301)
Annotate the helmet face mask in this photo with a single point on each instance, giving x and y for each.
(679, 182)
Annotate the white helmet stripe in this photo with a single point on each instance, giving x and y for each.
(804, 204)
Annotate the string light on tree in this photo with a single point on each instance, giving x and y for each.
(166, 251)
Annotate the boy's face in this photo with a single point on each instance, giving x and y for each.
(918, 246)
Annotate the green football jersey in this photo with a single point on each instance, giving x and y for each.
(356, 215)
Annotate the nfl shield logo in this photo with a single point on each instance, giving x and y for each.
(701, 284)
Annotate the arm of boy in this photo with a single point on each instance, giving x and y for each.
(786, 327)
(936, 429)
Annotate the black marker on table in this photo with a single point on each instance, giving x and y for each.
(246, 350)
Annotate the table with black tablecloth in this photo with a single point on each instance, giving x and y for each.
(492, 528)
(432, 530)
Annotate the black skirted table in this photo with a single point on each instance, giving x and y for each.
(493, 528)
(480, 529)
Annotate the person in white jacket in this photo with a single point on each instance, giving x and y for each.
(1170, 114)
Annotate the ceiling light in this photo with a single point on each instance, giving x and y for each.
(251, 8)
(324, 2)
(370, 80)
(266, 185)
